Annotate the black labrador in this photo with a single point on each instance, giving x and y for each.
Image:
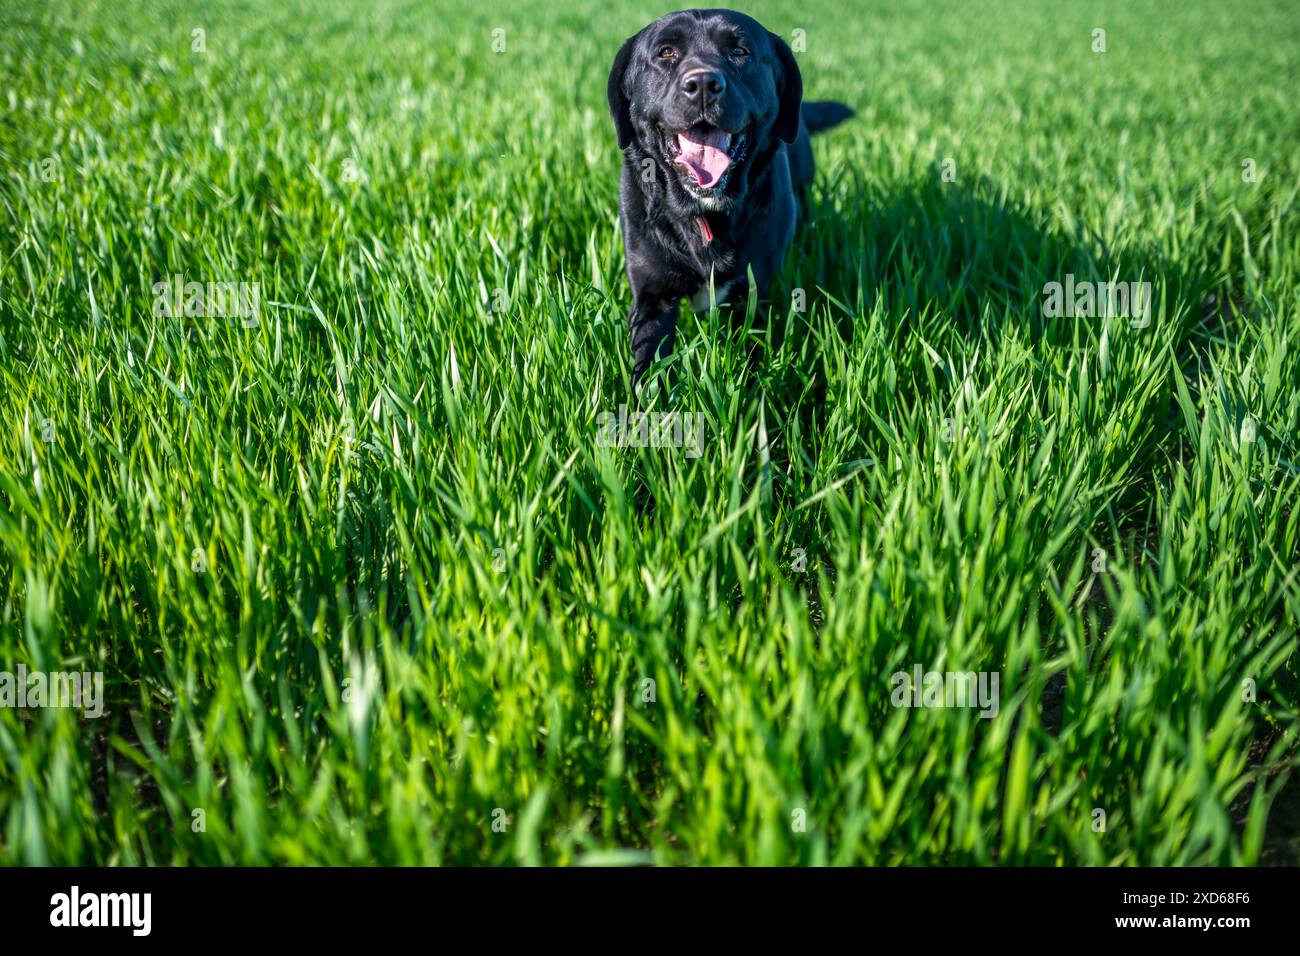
(709, 111)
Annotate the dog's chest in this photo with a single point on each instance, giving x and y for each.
(719, 260)
(699, 299)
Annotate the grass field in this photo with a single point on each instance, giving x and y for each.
(365, 587)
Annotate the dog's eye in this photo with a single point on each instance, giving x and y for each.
(666, 53)
(739, 52)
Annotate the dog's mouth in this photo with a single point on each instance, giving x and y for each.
(706, 154)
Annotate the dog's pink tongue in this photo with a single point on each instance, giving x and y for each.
(705, 155)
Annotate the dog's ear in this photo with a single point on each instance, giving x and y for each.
(789, 91)
(619, 106)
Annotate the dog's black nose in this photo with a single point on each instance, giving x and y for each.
(702, 84)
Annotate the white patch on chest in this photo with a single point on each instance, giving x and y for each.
(713, 203)
(700, 297)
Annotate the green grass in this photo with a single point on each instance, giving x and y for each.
(946, 459)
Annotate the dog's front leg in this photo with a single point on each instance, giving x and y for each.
(653, 325)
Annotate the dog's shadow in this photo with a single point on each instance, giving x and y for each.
(954, 263)
(962, 251)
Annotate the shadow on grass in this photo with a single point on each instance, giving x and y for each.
(957, 265)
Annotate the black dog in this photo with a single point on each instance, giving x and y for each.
(709, 110)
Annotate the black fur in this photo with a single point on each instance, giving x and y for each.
(751, 214)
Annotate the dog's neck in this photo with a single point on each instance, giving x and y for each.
(755, 175)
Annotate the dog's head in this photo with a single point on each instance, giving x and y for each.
(703, 93)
